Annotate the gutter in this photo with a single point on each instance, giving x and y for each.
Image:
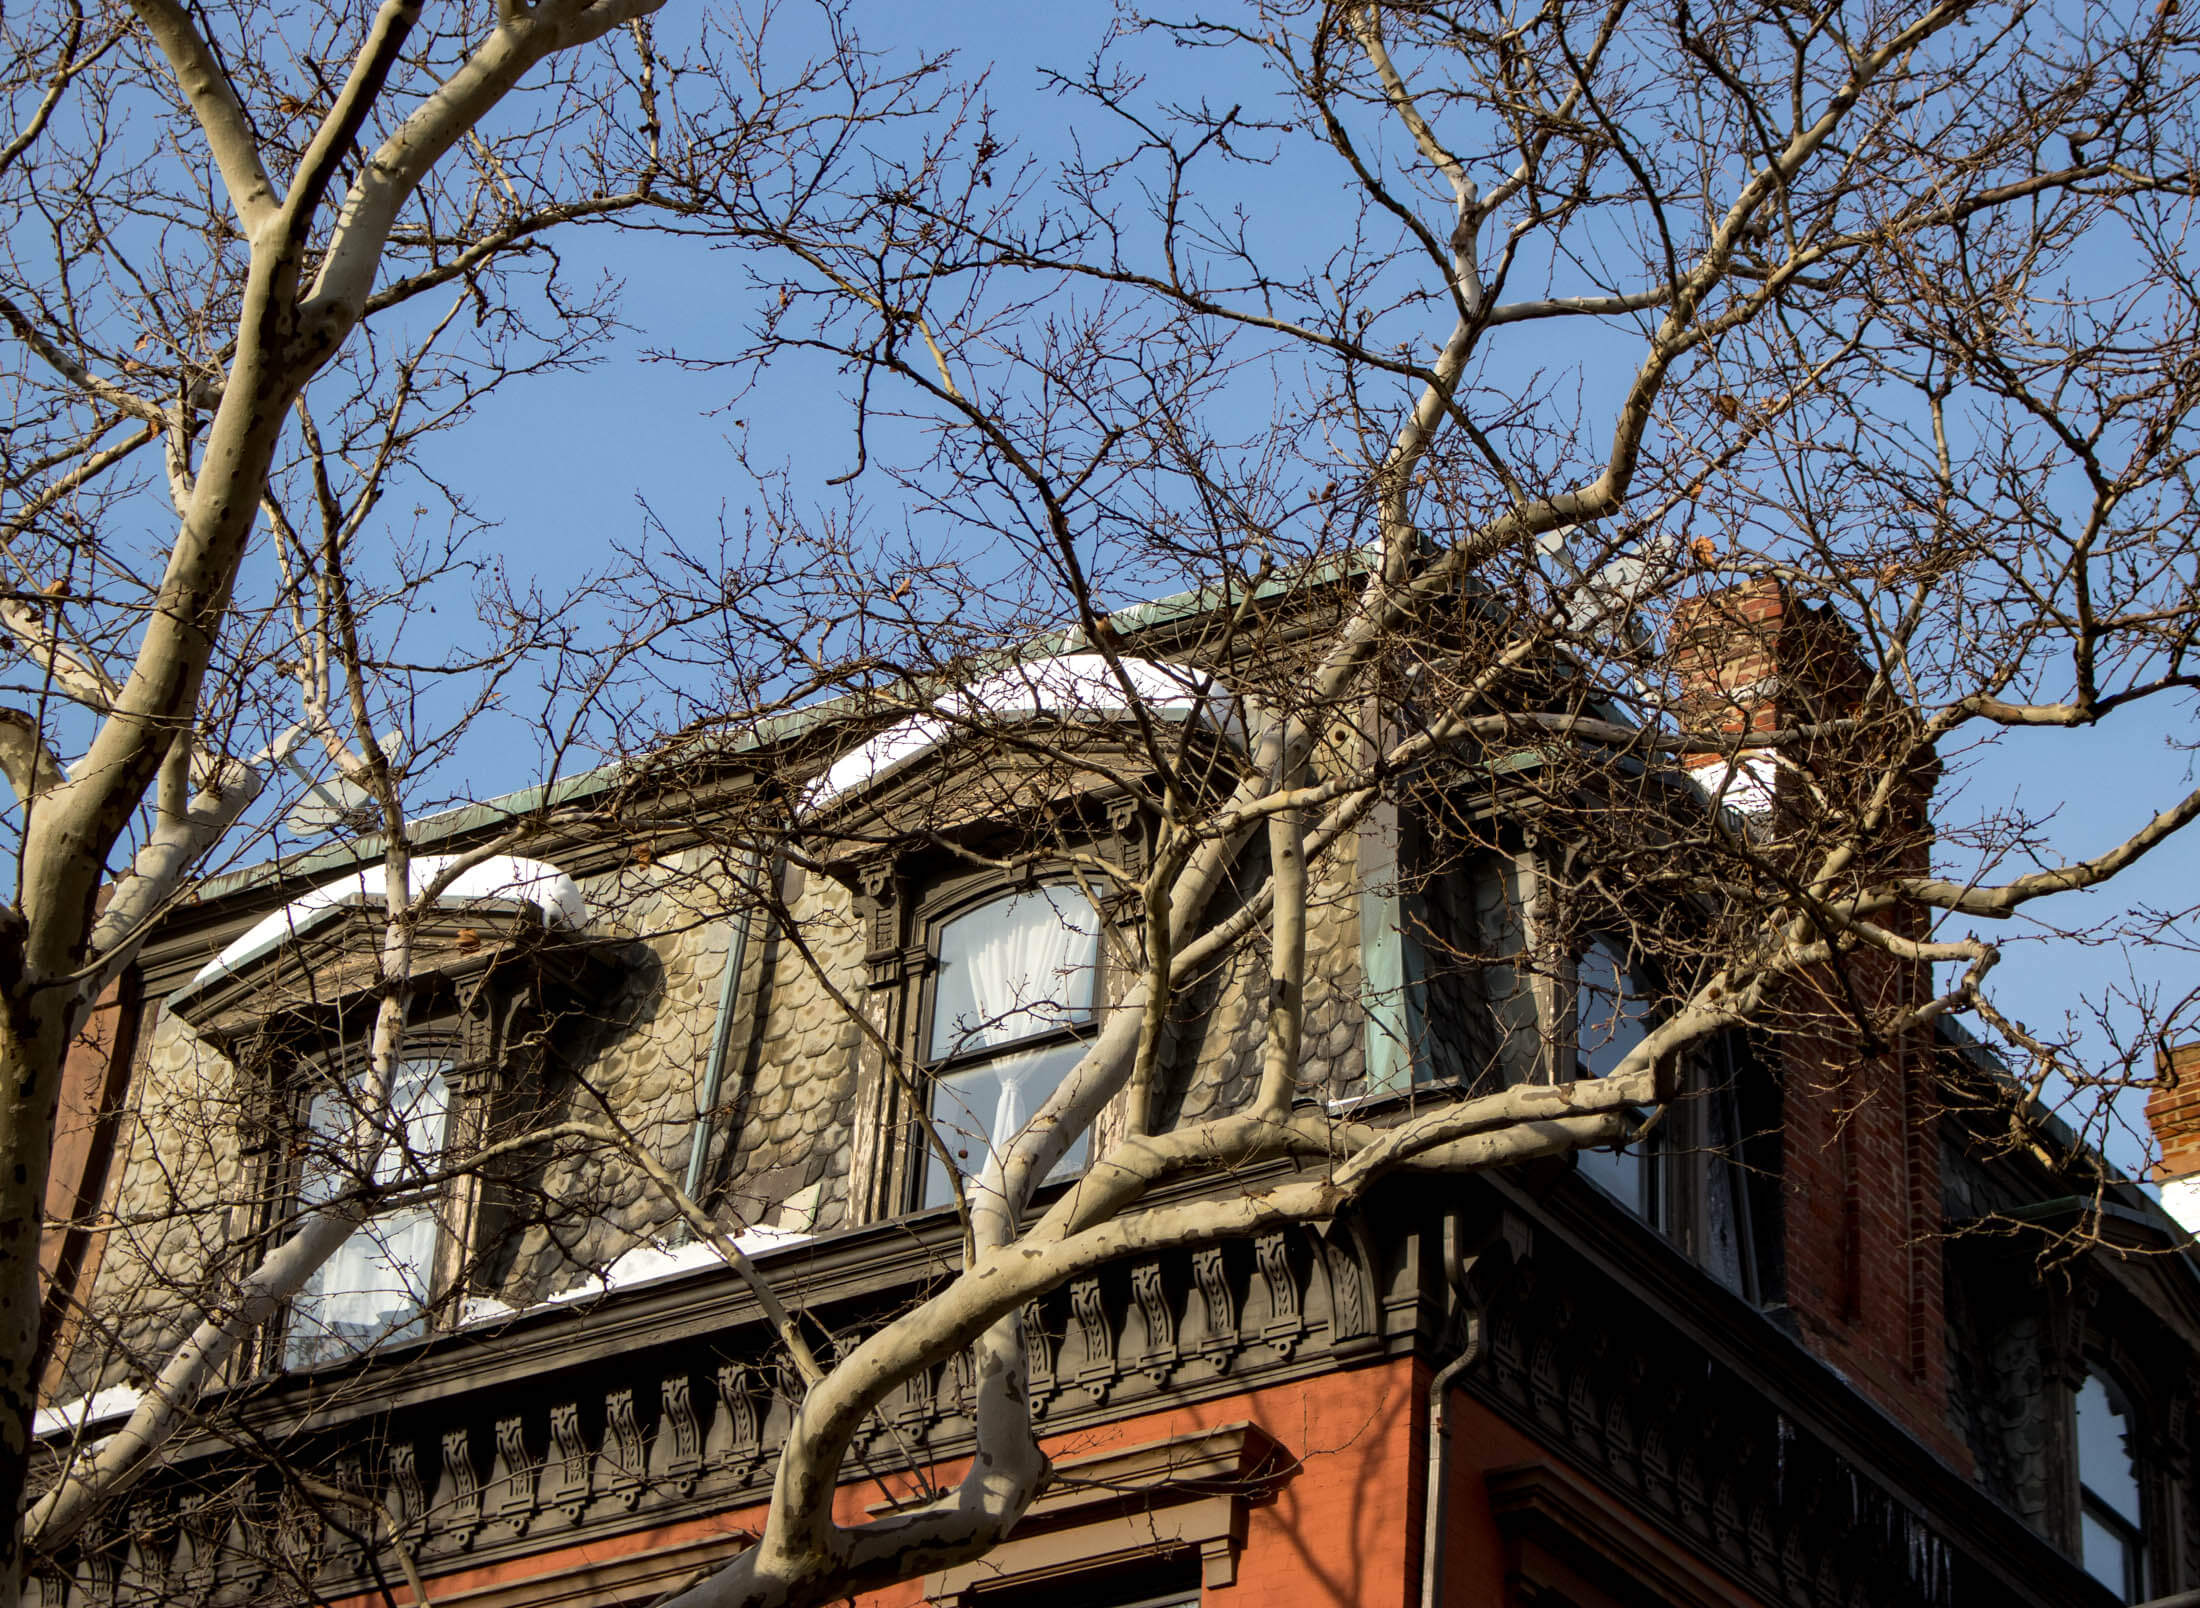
(714, 1072)
(1439, 1422)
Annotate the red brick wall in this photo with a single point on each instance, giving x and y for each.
(94, 1083)
(1343, 1532)
(1862, 1151)
(2173, 1111)
(1863, 1242)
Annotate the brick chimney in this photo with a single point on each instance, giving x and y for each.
(1756, 659)
(1860, 1145)
(2173, 1112)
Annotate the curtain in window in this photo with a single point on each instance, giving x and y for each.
(978, 1108)
(1014, 968)
(376, 1287)
(1009, 971)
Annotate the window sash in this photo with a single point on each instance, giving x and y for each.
(1611, 1017)
(1015, 968)
(978, 1109)
(1012, 1001)
(2111, 1550)
(376, 1287)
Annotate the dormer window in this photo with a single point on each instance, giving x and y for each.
(292, 1001)
(1011, 1011)
(986, 997)
(1611, 1019)
(381, 1283)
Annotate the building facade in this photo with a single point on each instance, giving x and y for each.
(1819, 1338)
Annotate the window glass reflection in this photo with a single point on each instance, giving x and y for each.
(1611, 1017)
(1020, 968)
(2112, 1524)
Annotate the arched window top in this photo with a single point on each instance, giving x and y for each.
(1014, 968)
(2112, 1516)
(413, 1127)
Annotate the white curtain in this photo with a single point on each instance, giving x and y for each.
(373, 1289)
(1010, 970)
(377, 1284)
(1015, 967)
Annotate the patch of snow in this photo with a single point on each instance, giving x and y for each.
(1074, 683)
(116, 1401)
(653, 1260)
(484, 1309)
(502, 878)
(2181, 1199)
(1742, 784)
(763, 1239)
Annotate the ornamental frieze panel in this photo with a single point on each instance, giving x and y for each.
(1699, 1449)
(687, 1428)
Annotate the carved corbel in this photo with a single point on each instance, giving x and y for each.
(1038, 1357)
(1089, 1309)
(623, 1459)
(458, 1497)
(501, 1041)
(1286, 1321)
(1354, 1323)
(408, 1506)
(736, 1441)
(883, 909)
(913, 1406)
(1218, 1304)
(244, 1563)
(676, 1458)
(1127, 833)
(1158, 1359)
(511, 1485)
(565, 1480)
(200, 1521)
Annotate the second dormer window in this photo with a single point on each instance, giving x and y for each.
(1611, 1018)
(1012, 1009)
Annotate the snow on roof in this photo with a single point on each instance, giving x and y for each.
(116, 1401)
(652, 1260)
(500, 879)
(2181, 1199)
(1071, 684)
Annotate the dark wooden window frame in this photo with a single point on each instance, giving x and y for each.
(906, 913)
(490, 981)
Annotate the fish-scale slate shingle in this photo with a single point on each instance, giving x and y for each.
(779, 1142)
(792, 1124)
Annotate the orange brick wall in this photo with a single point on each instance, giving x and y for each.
(2173, 1111)
(1342, 1533)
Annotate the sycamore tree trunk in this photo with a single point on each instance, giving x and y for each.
(52, 973)
(315, 249)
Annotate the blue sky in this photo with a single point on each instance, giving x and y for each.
(561, 464)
